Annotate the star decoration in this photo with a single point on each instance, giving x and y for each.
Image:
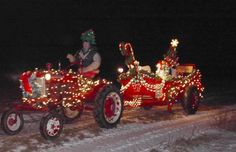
(174, 42)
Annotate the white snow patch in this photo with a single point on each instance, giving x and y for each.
(144, 137)
(34, 141)
(43, 146)
(87, 134)
(20, 148)
(1, 144)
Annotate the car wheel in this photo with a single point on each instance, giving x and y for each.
(147, 107)
(12, 122)
(108, 107)
(71, 115)
(191, 100)
(51, 126)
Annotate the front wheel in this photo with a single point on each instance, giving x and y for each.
(191, 100)
(108, 107)
(12, 122)
(51, 126)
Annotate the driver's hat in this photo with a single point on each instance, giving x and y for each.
(88, 36)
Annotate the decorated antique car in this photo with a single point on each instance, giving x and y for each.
(171, 83)
(63, 95)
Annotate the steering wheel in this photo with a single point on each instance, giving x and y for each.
(74, 66)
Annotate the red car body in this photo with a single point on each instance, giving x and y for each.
(146, 89)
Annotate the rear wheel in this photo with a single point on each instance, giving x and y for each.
(147, 107)
(70, 115)
(191, 100)
(51, 126)
(12, 122)
(108, 107)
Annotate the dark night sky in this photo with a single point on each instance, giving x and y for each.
(42, 31)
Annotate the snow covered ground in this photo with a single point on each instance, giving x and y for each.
(211, 129)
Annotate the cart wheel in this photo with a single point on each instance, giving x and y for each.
(71, 115)
(51, 126)
(191, 101)
(108, 107)
(12, 122)
(147, 107)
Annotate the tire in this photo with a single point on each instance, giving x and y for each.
(70, 115)
(108, 107)
(12, 122)
(191, 101)
(147, 107)
(51, 126)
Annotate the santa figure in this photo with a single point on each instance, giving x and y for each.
(163, 70)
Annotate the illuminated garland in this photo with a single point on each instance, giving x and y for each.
(159, 90)
(136, 102)
(166, 93)
(71, 87)
(139, 78)
(171, 56)
(166, 87)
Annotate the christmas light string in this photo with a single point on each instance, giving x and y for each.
(72, 87)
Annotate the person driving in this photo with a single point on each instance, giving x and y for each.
(88, 59)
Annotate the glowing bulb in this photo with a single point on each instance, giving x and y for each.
(120, 70)
(48, 76)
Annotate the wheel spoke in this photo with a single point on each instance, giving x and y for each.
(13, 122)
(194, 100)
(53, 126)
(112, 107)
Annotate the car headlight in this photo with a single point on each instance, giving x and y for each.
(48, 76)
(120, 70)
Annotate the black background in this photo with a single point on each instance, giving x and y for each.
(34, 32)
